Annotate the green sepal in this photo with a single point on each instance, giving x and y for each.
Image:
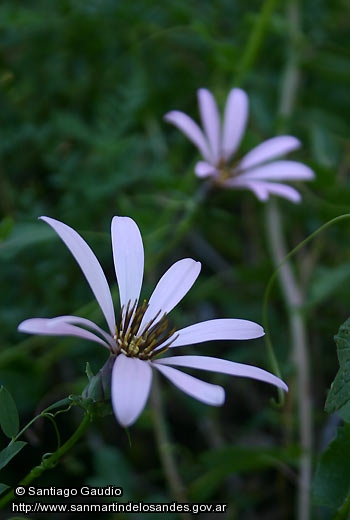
(88, 371)
(99, 386)
(96, 396)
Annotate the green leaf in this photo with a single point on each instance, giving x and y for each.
(10, 451)
(3, 488)
(9, 420)
(332, 479)
(338, 398)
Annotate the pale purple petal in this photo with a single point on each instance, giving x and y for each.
(128, 257)
(202, 391)
(260, 189)
(204, 169)
(83, 322)
(171, 288)
(57, 327)
(279, 171)
(263, 189)
(220, 329)
(284, 191)
(211, 122)
(235, 121)
(90, 266)
(187, 126)
(268, 150)
(130, 387)
(223, 366)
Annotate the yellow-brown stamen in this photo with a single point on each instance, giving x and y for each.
(226, 171)
(142, 344)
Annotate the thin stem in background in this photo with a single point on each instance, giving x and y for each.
(176, 485)
(291, 290)
(294, 300)
(168, 461)
(255, 41)
(183, 226)
(271, 354)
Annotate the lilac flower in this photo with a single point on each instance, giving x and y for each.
(142, 331)
(258, 170)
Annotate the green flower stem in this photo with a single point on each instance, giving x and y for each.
(291, 289)
(46, 413)
(184, 225)
(50, 460)
(254, 43)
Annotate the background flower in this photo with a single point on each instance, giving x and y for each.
(258, 170)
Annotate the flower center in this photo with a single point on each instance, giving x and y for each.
(226, 171)
(224, 174)
(144, 343)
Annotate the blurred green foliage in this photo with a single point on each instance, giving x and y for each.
(84, 85)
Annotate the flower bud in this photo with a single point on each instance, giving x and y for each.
(99, 386)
